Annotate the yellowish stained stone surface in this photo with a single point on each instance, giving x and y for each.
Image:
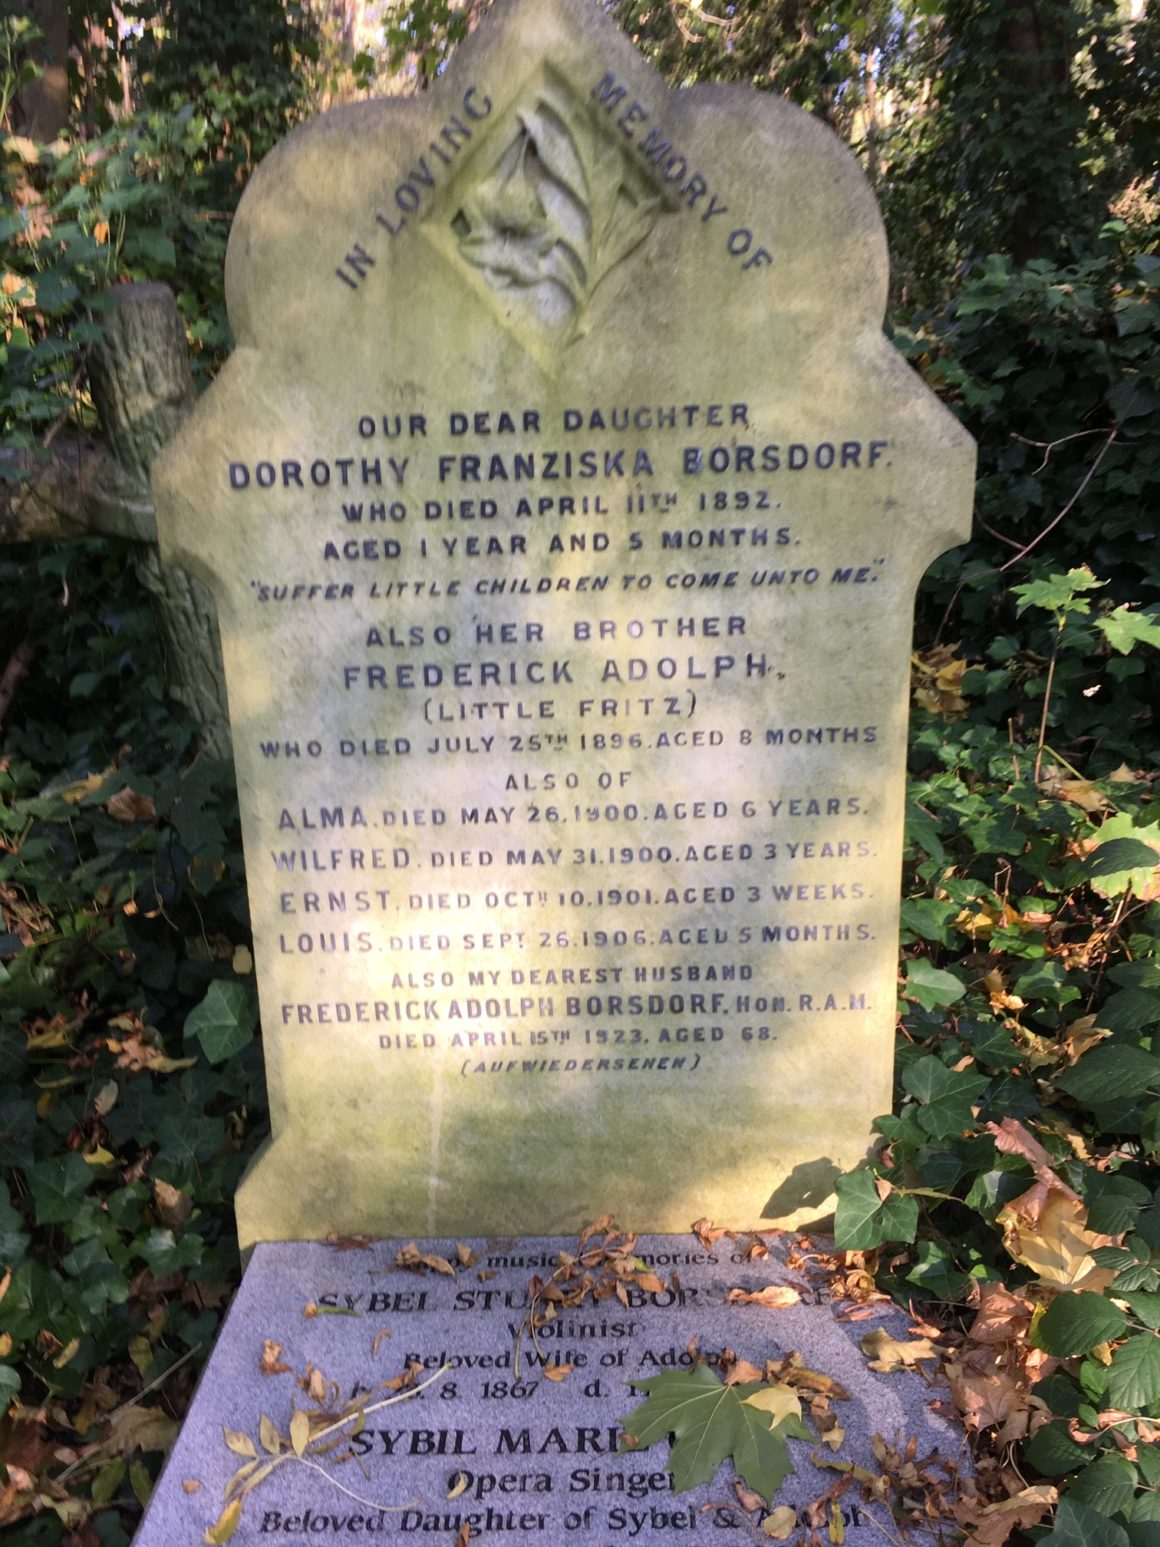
(564, 505)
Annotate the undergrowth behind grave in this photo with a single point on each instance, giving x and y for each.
(132, 1083)
(1013, 1191)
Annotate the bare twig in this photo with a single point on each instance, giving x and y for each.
(1051, 525)
(1048, 446)
(1036, 540)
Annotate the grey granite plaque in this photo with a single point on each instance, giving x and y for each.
(494, 1450)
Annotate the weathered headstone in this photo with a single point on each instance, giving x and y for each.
(564, 505)
(496, 1450)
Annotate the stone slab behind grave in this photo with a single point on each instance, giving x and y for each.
(564, 504)
(527, 1458)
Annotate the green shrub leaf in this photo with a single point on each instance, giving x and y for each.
(1111, 1072)
(1108, 1485)
(1134, 1378)
(1077, 1322)
(1078, 1525)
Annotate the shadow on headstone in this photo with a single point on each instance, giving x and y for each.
(807, 1190)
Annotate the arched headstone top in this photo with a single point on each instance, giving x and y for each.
(564, 502)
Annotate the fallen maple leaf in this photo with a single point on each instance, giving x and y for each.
(710, 1421)
(987, 1401)
(779, 1401)
(1045, 1228)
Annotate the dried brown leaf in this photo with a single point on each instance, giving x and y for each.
(776, 1297)
(241, 1444)
(706, 1232)
(557, 1372)
(225, 1525)
(991, 1524)
(779, 1524)
(1045, 1228)
(1011, 1138)
(128, 806)
(415, 1261)
(888, 1354)
(741, 1372)
(140, 1428)
(271, 1360)
(746, 1497)
(173, 1206)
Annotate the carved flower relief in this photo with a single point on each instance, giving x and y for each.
(554, 215)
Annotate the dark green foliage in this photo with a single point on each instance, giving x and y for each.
(133, 1088)
(1014, 150)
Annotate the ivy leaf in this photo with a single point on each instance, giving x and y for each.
(1134, 1378)
(947, 1095)
(709, 1421)
(223, 1022)
(864, 1219)
(930, 985)
(1077, 1322)
(56, 1186)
